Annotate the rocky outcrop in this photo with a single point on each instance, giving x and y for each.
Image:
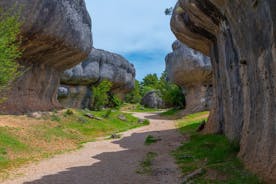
(240, 37)
(56, 35)
(152, 100)
(192, 71)
(100, 65)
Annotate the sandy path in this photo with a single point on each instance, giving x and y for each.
(111, 161)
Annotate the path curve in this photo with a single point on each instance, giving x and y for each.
(111, 161)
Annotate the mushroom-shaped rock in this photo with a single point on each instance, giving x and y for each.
(192, 71)
(56, 35)
(100, 65)
(240, 37)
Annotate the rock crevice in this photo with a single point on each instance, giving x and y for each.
(240, 37)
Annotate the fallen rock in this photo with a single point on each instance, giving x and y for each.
(240, 38)
(56, 35)
(122, 117)
(152, 100)
(101, 65)
(193, 72)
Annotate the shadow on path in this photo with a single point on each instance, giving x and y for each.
(120, 167)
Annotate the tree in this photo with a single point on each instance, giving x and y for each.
(171, 94)
(100, 96)
(151, 80)
(9, 48)
(134, 96)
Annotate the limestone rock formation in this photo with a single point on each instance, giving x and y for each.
(240, 37)
(193, 72)
(152, 100)
(56, 35)
(100, 65)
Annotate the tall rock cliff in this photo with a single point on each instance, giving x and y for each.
(193, 72)
(56, 35)
(240, 37)
(75, 90)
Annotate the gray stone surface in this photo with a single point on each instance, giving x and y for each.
(101, 65)
(152, 100)
(240, 37)
(56, 35)
(193, 72)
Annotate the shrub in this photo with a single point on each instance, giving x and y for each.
(115, 101)
(100, 95)
(134, 96)
(9, 48)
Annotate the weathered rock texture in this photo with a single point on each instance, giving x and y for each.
(240, 37)
(56, 35)
(152, 100)
(100, 65)
(193, 72)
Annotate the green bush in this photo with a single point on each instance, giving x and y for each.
(115, 101)
(134, 96)
(9, 48)
(100, 97)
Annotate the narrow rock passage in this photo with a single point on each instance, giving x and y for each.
(112, 161)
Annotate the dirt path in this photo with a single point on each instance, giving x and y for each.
(111, 161)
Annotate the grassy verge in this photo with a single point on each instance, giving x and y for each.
(146, 164)
(170, 112)
(137, 108)
(213, 153)
(26, 139)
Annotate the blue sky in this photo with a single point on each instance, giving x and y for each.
(136, 29)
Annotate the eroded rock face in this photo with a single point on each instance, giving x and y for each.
(240, 37)
(193, 72)
(152, 100)
(100, 65)
(56, 35)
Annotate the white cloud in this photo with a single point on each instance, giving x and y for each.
(126, 25)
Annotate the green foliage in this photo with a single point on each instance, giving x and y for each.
(170, 93)
(9, 48)
(115, 101)
(100, 97)
(134, 96)
(151, 80)
(212, 153)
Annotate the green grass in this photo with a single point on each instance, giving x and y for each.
(137, 108)
(57, 133)
(170, 112)
(146, 165)
(212, 153)
(151, 140)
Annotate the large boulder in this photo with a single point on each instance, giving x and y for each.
(56, 35)
(193, 72)
(100, 65)
(152, 100)
(240, 37)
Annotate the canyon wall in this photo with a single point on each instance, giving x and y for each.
(192, 71)
(76, 83)
(240, 37)
(56, 35)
